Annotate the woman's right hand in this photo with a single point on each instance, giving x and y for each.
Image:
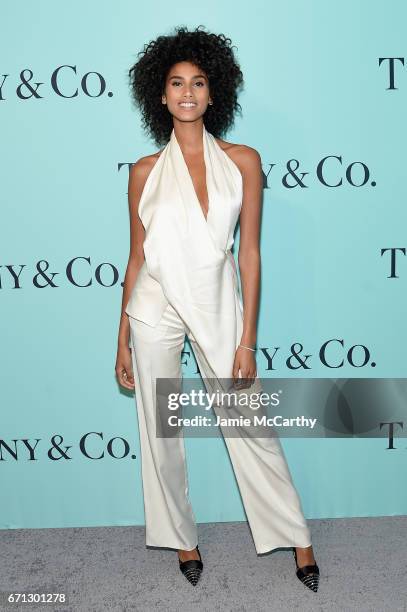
(124, 367)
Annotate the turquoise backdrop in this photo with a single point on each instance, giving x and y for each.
(314, 89)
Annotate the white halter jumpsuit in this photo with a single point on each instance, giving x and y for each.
(188, 285)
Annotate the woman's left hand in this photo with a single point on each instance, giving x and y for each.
(245, 361)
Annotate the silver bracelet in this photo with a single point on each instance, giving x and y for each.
(247, 347)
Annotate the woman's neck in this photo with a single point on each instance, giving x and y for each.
(189, 135)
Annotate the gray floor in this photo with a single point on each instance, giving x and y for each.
(362, 563)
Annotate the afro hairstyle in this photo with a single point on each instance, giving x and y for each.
(212, 53)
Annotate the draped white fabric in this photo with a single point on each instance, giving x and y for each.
(188, 261)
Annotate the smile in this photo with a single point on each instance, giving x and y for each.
(187, 104)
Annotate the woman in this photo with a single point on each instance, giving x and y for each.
(181, 279)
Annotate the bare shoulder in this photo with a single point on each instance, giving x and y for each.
(140, 169)
(246, 158)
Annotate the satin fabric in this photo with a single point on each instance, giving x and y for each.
(188, 285)
(270, 500)
(188, 259)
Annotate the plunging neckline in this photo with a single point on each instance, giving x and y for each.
(206, 173)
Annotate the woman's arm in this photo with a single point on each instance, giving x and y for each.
(249, 162)
(249, 246)
(137, 178)
(136, 255)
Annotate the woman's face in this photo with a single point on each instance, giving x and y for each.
(186, 91)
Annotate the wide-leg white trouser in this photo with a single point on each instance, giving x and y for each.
(270, 500)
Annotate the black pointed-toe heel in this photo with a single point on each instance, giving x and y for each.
(309, 574)
(192, 568)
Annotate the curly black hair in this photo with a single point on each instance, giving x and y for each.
(213, 53)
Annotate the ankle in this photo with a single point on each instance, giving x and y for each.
(186, 555)
(305, 555)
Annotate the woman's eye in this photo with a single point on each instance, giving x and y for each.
(199, 83)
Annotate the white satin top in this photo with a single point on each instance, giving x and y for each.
(188, 261)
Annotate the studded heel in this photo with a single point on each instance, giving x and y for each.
(309, 574)
(192, 568)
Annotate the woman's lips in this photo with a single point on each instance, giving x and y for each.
(187, 105)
